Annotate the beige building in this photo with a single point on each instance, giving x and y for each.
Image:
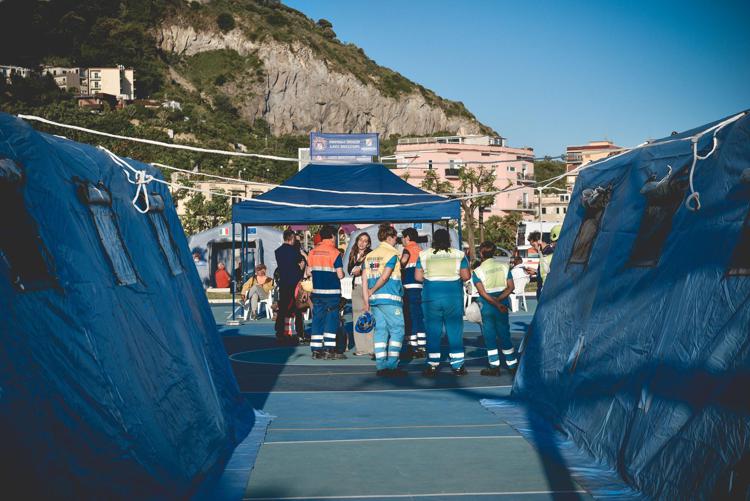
(554, 207)
(239, 191)
(118, 82)
(7, 71)
(446, 155)
(581, 155)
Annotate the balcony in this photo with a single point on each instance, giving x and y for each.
(452, 173)
(525, 178)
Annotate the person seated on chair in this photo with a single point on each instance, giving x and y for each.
(257, 288)
(519, 271)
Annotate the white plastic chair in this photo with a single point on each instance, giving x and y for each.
(267, 302)
(519, 293)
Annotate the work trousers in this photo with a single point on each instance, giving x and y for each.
(444, 309)
(389, 334)
(286, 308)
(496, 325)
(414, 318)
(325, 323)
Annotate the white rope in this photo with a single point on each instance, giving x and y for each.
(158, 143)
(693, 201)
(214, 176)
(142, 180)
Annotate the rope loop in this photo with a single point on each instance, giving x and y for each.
(693, 202)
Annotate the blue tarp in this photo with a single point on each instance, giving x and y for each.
(114, 382)
(362, 193)
(640, 349)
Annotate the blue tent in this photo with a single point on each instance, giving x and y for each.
(114, 382)
(358, 193)
(640, 348)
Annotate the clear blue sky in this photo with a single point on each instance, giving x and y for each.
(551, 73)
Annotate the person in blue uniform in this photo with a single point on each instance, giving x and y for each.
(443, 271)
(413, 316)
(494, 283)
(382, 292)
(327, 271)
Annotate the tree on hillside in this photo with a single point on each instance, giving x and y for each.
(546, 169)
(225, 21)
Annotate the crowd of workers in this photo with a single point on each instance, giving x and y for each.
(411, 296)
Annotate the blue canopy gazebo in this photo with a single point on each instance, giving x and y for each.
(338, 193)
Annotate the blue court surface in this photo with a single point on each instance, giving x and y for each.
(340, 432)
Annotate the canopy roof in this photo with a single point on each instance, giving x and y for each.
(357, 193)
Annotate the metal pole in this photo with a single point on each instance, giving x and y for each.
(460, 238)
(232, 276)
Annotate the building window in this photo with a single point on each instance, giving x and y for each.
(662, 201)
(557, 210)
(544, 211)
(429, 164)
(485, 154)
(451, 172)
(159, 225)
(594, 202)
(740, 263)
(23, 255)
(511, 168)
(99, 202)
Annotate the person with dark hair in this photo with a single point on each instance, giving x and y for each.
(381, 293)
(413, 316)
(289, 267)
(327, 270)
(360, 250)
(544, 251)
(494, 283)
(443, 271)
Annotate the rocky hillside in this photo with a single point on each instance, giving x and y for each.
(272, 62)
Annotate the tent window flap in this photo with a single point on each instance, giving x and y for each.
(740, 263)
(100, 206)
(594, 202)
(159, 225)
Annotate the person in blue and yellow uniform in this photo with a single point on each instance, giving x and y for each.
(327, 269)
(443, 271)
(494, 283)
(414, 318)
(382, 291)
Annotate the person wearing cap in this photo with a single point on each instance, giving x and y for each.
(413, 316)
(382, 292)
(443, 271)
(494, 283)
(327, 270)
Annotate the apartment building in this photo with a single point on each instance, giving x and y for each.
(447, 154)
(65, 78)
(581, 155)
(118, 82)
(553, 207)
(7, 71)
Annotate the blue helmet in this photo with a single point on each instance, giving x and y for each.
(365, 323)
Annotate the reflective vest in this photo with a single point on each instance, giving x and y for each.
(409, 281)
(375, 264)
(443, 266)
(323, 261)
(544, 265)
(493, 273)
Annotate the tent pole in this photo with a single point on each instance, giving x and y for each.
(230, 281)
(460, 240)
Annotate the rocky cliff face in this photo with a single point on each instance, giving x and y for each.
(300, 92)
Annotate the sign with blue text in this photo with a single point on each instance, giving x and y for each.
(343, 145)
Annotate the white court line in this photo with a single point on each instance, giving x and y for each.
(374, 391)
(393, 427)
(437, 494)
(400, 439)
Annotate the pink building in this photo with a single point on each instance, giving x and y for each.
(446, 155)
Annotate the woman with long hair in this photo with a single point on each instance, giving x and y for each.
(363, 344)
(443, 270)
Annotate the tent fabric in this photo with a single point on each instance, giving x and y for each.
(110, 386)
(358, 193)
(645, 363)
